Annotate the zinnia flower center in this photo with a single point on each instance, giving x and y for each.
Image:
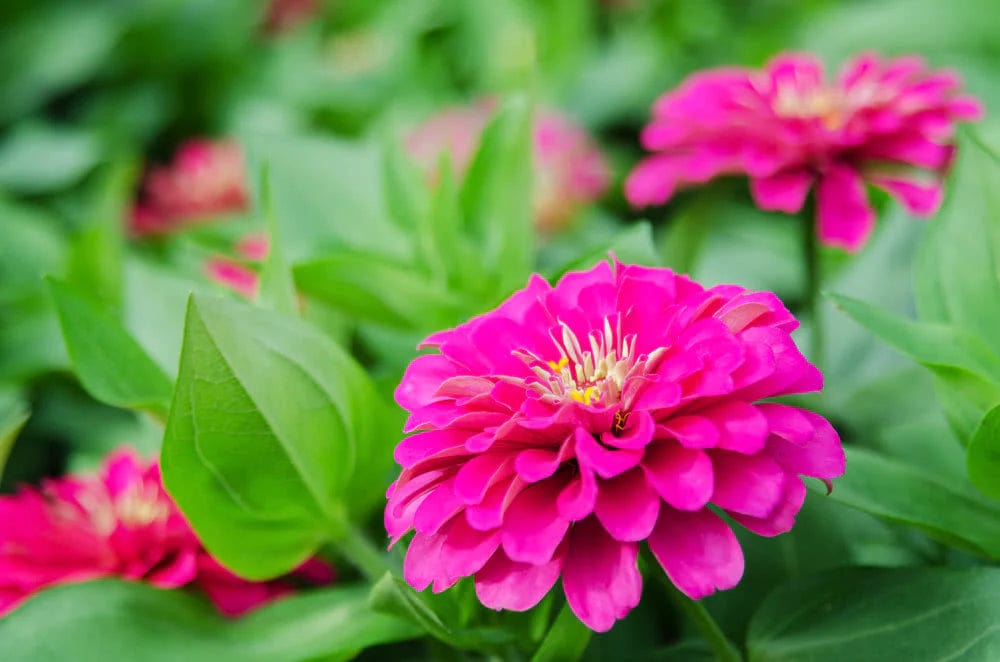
(825, 104)
(591, 375)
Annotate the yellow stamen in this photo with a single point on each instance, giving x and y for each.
(556, 367)
(587, 397)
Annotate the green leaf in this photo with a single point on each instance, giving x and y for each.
(917, 614)
(404, 186)
(984, 455)
(13, 415)
(371, 288)
(927, 343)
(272, 425)
(174, 625)
(951, 512)
(96, 260)
(37, 158)
(50, 49)
(496, 195)
(566, 640)
(966, 371)
(631, 245)
(110, 364)
(958, 268)
(391, 595)
(277, 288)
(327, 194)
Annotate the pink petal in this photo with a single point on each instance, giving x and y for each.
(922, 199)
(479, 474)
(743, 428)
(748, 484)
(697, 550)
(844, 216)
(422, 564)
(627, 506)
(532, 526)
(465, 550)
(653, 181)
(506, 584)
(691, 431)
(815, 451)
(422, 378)
(600, 576)
(439, 507)
(682, 476)
(639, 430)
(605, 463)
(783, 517)
(784, 191)
(578, 498)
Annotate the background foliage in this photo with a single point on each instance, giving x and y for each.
(105, 340)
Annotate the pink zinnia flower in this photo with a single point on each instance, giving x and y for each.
(888, 123)
(118, 523)
(569, 168)
(207, 178)
(556, 432)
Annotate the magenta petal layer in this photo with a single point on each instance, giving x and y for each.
(889, 123)
(553, 435)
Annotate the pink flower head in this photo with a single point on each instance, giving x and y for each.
(207, 178)
(117, 523)
(886, 122)
(558, 431)
(236, 274)
(569, 169)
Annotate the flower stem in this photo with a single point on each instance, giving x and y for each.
(353, 545)
(566, 641)
(724, 650)
(813, 303)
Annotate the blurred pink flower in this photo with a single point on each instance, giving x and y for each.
(569, 168)
(886, 122)
(556, 432)
(117, 523)
(284, 15)
(207, 178)
(236, 274)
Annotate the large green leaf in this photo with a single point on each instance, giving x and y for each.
(111, 365)
(966, 370)
(139, 621)
(272, 425)
(927, 343)
(496, 195)
(984, 455)
(949, 511)
(51, 49)
(918, 614)
(37, 158)
(958, 270)
(370, 288)
(327, 194)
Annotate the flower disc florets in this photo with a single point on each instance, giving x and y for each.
(557, 431)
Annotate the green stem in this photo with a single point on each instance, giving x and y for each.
(813, 302)
(353, 545)
(724, 650)
(566, 641)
